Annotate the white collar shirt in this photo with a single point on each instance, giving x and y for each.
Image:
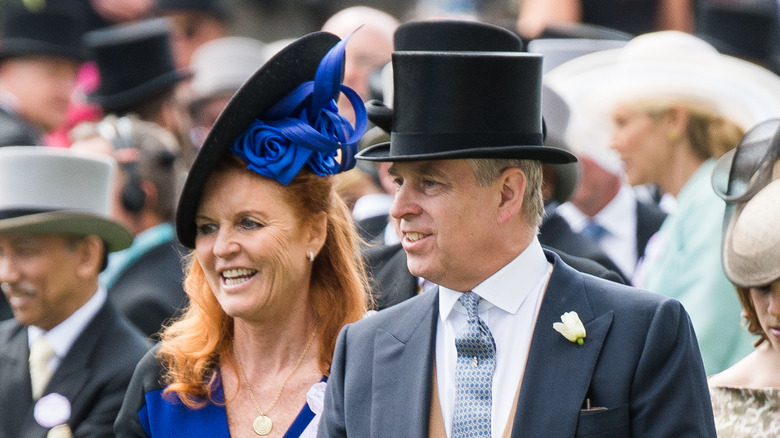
(511, 299)
(618, 218)
(62, 337)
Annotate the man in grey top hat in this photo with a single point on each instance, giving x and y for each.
(67, 356)
(513, 342)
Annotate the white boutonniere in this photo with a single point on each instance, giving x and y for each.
(52, 411)
(571, 327)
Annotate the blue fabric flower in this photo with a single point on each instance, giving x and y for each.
(305, 128)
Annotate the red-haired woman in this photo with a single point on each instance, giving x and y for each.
(275, 271)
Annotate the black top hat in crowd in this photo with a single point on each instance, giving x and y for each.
(293, 65)
(135, 62)
(463, 89)
(54, 30)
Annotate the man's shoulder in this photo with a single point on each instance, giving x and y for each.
(402, 318)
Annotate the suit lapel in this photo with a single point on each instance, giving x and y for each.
(14, 375)
(403, 365)
(75, 368)
(558, 372)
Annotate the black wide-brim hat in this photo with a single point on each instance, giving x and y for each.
(55, 30)
(135, 62)
(293, 65)
(463, 89)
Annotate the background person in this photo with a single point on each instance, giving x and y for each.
(746, 396)
(273, 275)
(40, 55)
(144, 281)
(68, 355)
(675, 106)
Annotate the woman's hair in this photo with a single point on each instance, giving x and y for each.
(710, 134)
(192, 346)
(750, 315)
(487, 171)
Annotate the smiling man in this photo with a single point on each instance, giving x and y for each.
(66, 344)
(480, 355)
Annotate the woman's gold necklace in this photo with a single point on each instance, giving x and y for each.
(262, 424)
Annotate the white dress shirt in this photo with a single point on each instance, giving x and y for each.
(511, 299)
(62, 337)
(618, 218)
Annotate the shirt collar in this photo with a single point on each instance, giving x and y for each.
(617, 216)
(507, 288)
(62, 337)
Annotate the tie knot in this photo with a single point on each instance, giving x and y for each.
(470, 301)
(41, 351)
(594, 231)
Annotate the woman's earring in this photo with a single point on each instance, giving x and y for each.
(310, 255)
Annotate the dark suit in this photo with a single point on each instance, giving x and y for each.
(649, 218)
(640, 360)
(556, 233)
(149, 291)
(15, 132)
(391, 282)
(371, 229)
(93, 375)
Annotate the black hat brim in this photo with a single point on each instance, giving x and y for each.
(295, 64)
(545, 154)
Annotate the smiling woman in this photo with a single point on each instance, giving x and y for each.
(274, 273)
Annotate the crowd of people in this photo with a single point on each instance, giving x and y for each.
(434, 223)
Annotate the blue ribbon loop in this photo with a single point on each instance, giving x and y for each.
(305, 128)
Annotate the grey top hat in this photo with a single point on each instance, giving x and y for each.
(61, 191)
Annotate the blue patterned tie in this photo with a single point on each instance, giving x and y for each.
(594, 231)
(473, 374)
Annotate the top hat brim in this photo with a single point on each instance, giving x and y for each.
(545, 154)
(73, 223)
(295, 64)
(126, 98)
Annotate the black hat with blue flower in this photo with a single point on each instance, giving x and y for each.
(283, 118)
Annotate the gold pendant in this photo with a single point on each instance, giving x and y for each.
(262, 425)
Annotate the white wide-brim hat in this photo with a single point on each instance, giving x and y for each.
(751, 247)
(670, 64)
(587, 136)
(60, 191)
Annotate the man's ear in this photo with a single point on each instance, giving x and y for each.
(511, 184)
(89, 252)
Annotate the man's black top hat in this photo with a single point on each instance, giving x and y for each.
(54, 30)
(463, 89)
(135, 62)
(290, 67)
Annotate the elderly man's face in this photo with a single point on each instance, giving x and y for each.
(38, 275)
(42, 87)
(447, 222)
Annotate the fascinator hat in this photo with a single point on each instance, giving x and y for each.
(670, 64)
(462, 89)
(742, 177)
(282, 120)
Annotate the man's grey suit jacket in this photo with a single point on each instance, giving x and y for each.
(93, 375)
(640, 361)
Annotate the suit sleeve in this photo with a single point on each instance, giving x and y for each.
(670, 396)
(333, 422)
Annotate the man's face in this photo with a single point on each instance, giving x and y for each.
(38, 274)
(447, 222)
(43, 86)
